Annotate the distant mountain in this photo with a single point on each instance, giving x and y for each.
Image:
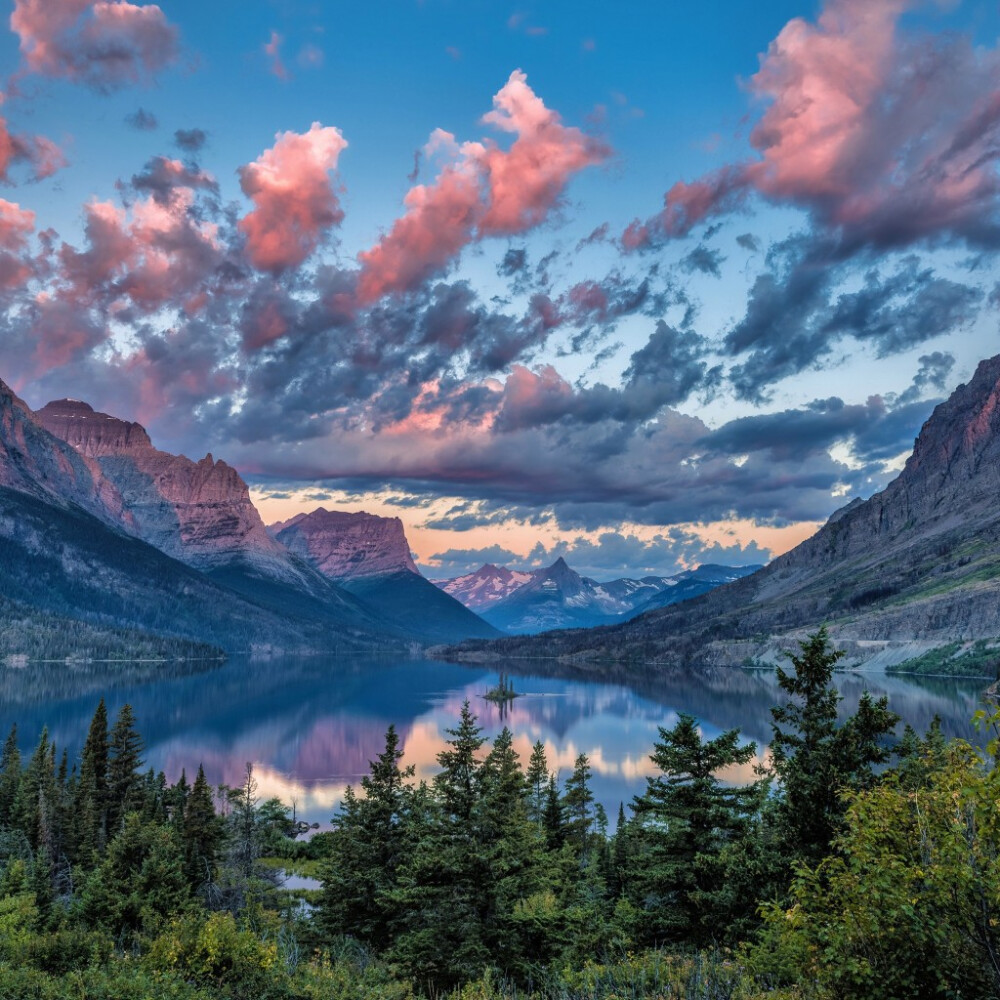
(369, 556)
(487, 586)
(920, 560)
(522, 603)
(692, 583)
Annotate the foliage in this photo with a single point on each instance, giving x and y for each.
(494, 882)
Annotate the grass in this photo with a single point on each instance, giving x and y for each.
(955, 659)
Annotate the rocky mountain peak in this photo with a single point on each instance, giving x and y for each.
(90, 432)
(346, 545)
(198, 512)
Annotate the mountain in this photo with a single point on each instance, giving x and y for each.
(558, 597)
(369, 556)
(920, 560)
(691, 583)
(487, 586)
(197, 512)
(77, 575)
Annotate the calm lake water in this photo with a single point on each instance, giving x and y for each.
(310, 726)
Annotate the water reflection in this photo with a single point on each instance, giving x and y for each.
(312, 725)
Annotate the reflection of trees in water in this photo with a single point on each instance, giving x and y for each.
(731, 698)
(322, 719)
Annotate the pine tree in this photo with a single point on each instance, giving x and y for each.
(125, 784)
(10, 777)
(370, 842)
(684, 821)
(537, 777)
(814, 758)
(578, 802)
(91, 800)
(458, 781)
(201, 832)
(552, 819)
(440, 933)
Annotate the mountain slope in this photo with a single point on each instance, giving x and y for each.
(556, 597)
(369, 556)
(920, 560)
(487, 586)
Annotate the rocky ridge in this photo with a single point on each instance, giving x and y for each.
(198, 512)
(347, 545)
(487, 586)
(369, 556)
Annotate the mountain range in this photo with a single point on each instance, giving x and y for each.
(919, 560)
(108, 543)
(522, 603)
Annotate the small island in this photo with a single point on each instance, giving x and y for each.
(504, 693)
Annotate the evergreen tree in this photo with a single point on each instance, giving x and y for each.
(125, 783)
(458, 781)
(684, 820)
(10, 777)
(578, 800)
(36, 797)
(814, 758)
(552, 818)
(91, 800)
(201, 832)
(537, 777)
(371, 839)
(440, 933)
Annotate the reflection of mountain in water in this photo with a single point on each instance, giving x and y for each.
(312, 725)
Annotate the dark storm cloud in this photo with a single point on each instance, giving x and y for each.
(933, 373)
(748, 242)
(796, 314)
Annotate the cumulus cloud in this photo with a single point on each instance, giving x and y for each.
(482, 190)
(104, 44)
(295, 204)
(885, 138)
(41, 156)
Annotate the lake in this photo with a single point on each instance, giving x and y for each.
(311, 725)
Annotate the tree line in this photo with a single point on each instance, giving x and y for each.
(846, 862)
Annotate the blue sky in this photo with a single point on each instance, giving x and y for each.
(707, 384)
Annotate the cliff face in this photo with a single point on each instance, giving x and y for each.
(198, 512)
(369, 556)
(346, 545)
(920, 560)
(33, 461)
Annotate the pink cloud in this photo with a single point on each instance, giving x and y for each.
(105, 45)
(294, 200)
(41, 155)
(272, 49)
(16, 225)
(482, 190)
(159, 253)
(884, 136)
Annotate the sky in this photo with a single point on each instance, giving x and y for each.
(641, 285)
